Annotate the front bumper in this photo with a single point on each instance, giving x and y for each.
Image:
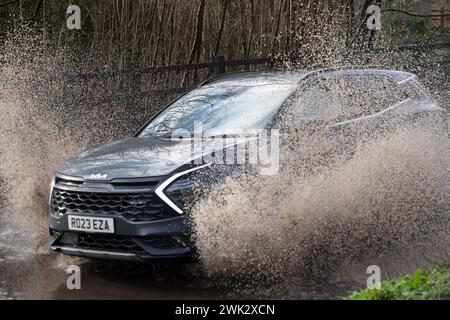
(153, 241)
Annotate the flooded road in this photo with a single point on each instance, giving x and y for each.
(27, 275)
(40, 277)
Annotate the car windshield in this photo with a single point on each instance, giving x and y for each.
(335, 99)
(228, 108)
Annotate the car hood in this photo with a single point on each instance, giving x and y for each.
(136, 158)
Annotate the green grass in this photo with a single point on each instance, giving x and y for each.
(422, 285)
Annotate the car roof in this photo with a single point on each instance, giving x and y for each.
(274, 77)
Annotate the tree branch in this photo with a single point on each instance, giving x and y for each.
(7, 3)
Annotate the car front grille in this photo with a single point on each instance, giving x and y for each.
(110, 243)
(135, 206)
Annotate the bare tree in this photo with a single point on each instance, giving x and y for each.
(198, 40)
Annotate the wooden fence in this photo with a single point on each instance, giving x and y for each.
(441, 19)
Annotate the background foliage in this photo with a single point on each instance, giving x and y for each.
(164, 32)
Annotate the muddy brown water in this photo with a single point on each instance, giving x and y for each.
(25, 274)
(37, 277)
(28, 275)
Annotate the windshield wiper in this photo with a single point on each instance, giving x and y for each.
(163, 136)
(228, 135)
(170, 135)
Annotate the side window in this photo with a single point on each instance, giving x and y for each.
(336, 99)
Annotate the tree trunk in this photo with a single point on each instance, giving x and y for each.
(198, 40)
(221, 28)
(197, 46)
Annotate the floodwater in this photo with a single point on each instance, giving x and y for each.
(28, 275)
(43, 276)
(38, 277)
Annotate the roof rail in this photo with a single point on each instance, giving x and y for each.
(343, 68)
(227, 74)
(307, 75)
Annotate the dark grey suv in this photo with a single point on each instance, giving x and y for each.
(130, 199)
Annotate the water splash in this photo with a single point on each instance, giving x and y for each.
(323, 212)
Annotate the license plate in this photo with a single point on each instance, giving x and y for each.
(91, 224)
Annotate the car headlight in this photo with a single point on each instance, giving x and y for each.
(181, 192)
(178, 190)
(52, 184)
